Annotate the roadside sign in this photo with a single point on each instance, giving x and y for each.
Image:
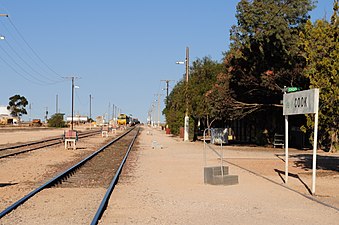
(302, 102)
(293, 89)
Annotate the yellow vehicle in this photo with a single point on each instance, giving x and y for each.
(123, 119)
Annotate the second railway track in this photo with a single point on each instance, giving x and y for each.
(76, 196)
(16, 149)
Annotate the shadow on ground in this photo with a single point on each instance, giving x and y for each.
(305, 161)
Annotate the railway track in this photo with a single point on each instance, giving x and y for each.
(98, 173)
(35, 145)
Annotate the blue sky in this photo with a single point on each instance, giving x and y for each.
(120, 50)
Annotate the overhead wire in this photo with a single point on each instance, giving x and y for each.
(21, 68)
(13, 38)
(18, 62)
(10, 66)
(29, 46)
(28, 65)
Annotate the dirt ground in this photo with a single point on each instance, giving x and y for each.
(163, 183)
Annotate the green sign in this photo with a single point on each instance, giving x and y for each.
(293, 89)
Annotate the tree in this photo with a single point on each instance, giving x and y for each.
(264, 55)
(175, 107)
(203, 76)
(17, 105)
(320, 42)
(57, 120)
(203, 73)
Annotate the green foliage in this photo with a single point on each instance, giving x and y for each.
(57, 120)
(17, 105)
(321, 46)
(203, 75)
(264, 55)
(175, 108)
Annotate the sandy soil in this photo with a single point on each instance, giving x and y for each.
(163, 183)
(167, 187)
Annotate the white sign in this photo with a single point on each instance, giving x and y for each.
(301, 102)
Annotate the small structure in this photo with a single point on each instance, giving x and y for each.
(278, 140)
(217, 175)
(70, 138)
(104, 131)
(6, 117)
(35, 123)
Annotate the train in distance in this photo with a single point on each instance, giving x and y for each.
(124, 120)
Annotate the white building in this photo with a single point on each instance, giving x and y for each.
(77, 119)
(6, 118)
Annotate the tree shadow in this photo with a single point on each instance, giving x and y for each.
(294, 176)
(305, 161)
(7, 184)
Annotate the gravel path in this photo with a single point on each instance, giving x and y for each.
(167, 187)
(163, 183)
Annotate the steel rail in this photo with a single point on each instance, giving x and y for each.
(114, 181)
(40, 141)
(83, 135)
(59, 177)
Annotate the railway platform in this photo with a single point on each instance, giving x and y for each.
(166, 186)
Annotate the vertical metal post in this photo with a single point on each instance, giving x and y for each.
(186, 120)
(72, 102)
(286, 149)
(222, 159)
(314, 166)
(56, 104)
(90, 106)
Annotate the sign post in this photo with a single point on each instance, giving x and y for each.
(302, 102)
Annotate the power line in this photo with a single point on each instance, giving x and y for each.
(34, 52)
(13, 38)
(27, 64)
(29, 73)
(21, 68)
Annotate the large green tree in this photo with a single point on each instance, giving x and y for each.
(202, 77)
(320, 42)
(203, 73)
(17, 105)
(264, 55)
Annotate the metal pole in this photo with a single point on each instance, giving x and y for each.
(90, 106)
(56, 104)
(186, 120)
(286, 149)
(72, 102)
(314, 167)
(167, 84)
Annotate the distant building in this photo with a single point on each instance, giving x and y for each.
(77, 119)
(6, 117)
(100, 121)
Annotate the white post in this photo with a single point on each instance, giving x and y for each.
(314, 167)
(186, 128)
(286, 149)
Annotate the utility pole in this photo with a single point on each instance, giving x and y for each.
(158, 100)
(72, 78)
(113, 113)
(46, 116)
(167, 88)
(56, 104)
(109, 112)
(90, 106)
(186, 121)
(30, 112)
